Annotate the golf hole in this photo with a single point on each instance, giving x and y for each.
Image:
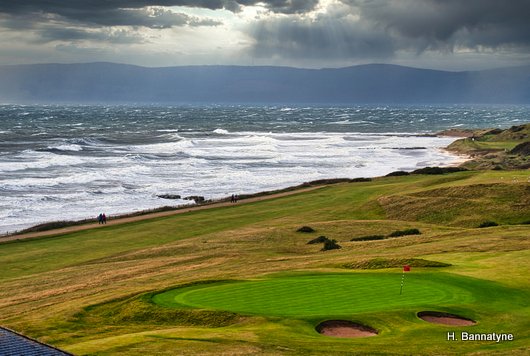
(445, 318)
(344, 328)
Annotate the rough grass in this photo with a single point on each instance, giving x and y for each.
(495, 149)
(466, 206)
(85, 292)
(140, 310)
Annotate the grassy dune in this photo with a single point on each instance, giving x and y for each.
(93, 291)
(495, 148)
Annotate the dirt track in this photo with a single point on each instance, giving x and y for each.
(124, 220)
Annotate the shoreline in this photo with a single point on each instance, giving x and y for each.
(53, 228)
(88, 224)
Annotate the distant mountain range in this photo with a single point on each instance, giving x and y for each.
(373, 83)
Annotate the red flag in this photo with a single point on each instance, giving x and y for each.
(406, 268)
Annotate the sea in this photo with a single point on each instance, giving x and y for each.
(70, 162)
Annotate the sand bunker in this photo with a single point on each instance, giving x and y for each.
(344, 328)
(445, 318)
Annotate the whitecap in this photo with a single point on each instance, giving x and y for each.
(221, 132)
(66, 147)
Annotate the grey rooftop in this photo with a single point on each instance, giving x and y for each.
(15, 344)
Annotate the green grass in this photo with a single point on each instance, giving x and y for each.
(324, 295)
(91, 292)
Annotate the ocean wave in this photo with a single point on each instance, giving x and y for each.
(221, 132)
(172, 136)
(85, 141)
(31, 160)
(164, 147)
(66, 147)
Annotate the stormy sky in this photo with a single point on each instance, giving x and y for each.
(441, 34)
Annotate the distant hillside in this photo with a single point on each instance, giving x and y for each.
(374, 83)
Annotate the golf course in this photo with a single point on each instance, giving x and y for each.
(243, 279)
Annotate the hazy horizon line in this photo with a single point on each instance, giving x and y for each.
(265, 66)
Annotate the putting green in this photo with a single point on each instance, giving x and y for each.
(322, 294)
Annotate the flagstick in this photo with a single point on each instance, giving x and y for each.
(402, 281)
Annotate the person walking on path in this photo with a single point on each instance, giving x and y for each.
(104, 218)
(100, 218)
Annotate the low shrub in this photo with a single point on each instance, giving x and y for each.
(397, 174)
(368, 238)
(360, 180)
(330, 245)
(438, 170)
(306, 229)
(328, 181)
(488, 224)
(405, 232)
(318, 240)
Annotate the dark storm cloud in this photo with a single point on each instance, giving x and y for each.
(101, 13)
(74, 34)
(89, 10)
(94, 20)
(446, 23)
(379, 29)
(76, 8)
(76, 20)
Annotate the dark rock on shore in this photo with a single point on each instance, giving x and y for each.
(169, 196)
(196, 198)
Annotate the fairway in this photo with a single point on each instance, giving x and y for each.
(322, 294)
